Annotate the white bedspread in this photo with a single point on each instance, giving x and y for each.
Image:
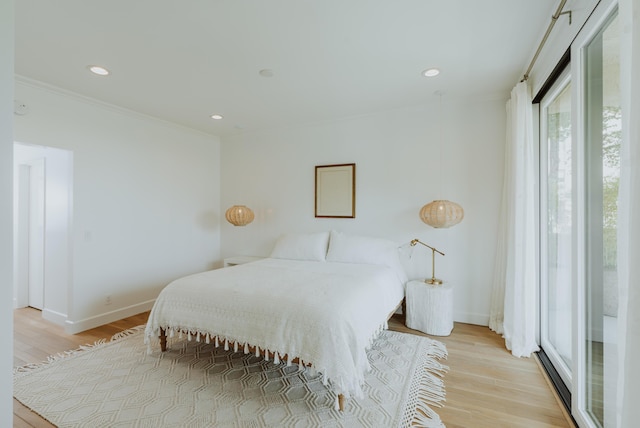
(326, 314)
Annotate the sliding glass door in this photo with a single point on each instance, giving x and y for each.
(556, 227)
(580, 134)
(602, 129)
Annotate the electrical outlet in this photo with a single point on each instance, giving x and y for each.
(107, 299)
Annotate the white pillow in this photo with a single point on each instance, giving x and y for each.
(310, 246)
(363, 249)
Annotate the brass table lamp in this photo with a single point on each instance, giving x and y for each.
(433, 280)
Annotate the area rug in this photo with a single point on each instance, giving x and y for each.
(120, 384)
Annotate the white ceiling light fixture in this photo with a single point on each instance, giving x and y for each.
(99, 70)
(431, 72)
(216, 116)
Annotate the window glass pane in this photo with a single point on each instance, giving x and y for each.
(603, 129)
(559, 225)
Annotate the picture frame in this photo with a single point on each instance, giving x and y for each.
(335, 192)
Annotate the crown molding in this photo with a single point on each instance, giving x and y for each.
(38, 84)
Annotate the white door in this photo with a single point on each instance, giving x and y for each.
(601, 126)
(36, 233)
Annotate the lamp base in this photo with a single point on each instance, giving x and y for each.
(433, 281)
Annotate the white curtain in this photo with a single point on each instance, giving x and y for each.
(629, 220)
(513, 298)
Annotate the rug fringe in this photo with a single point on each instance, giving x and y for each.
(80, 349)
(427, 389)
(127, 333)
(429, 419)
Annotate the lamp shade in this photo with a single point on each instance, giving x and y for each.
(441, 214)
(239, 215)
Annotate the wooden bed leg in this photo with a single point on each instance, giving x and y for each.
(341, 402)
(163, 340)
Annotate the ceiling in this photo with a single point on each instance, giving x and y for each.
(183, 61)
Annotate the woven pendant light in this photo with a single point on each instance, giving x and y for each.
(441, 214)
(239, 215)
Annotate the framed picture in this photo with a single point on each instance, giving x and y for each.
(336, 191)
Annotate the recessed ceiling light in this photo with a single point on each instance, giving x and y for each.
(266, 72)
(100, 71)
(216, 116)
(431, 72)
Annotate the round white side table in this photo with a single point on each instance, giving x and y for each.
(430, 308)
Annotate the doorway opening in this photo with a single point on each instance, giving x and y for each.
(42, 229)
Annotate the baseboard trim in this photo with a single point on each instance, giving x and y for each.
(468, 318)
(74, 327)
(54, 317)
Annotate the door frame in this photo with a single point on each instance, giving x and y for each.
(592, 27)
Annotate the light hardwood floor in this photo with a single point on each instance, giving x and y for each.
(485, 385)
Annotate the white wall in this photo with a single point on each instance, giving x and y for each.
(145, 200)
(399, 168)
(6, 213)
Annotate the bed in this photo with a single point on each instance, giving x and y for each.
(318, 301)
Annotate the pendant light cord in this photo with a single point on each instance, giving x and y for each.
(441, 144)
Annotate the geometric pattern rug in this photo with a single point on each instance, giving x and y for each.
(120, 384)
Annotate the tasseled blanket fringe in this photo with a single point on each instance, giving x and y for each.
(275, 356)
(339, 386)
